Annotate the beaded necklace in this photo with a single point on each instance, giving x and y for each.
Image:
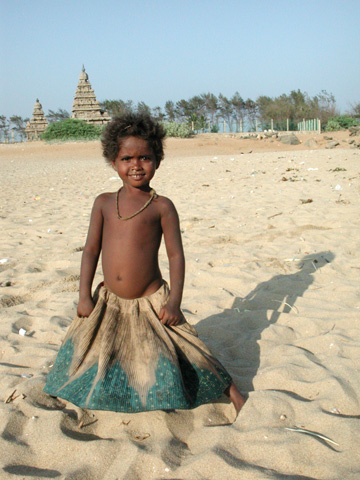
(152, 196)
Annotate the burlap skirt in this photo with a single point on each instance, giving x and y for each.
(122, 358)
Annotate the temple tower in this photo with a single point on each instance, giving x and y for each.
(36, 126)
(85, 106)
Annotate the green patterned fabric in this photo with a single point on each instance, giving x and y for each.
(123, 359)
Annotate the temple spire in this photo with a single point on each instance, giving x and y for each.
(85, 106)
(36, 126)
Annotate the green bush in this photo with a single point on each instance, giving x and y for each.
(341, 122)
(174, 129)
(72, 129)
(332, 126)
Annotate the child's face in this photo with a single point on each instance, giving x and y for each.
(135, 163)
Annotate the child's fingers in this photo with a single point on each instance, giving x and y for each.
(163, 316)
(168, 318)
(165, 320)
(172, 322)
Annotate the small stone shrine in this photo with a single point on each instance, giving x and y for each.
(85, 106)
(36, 126)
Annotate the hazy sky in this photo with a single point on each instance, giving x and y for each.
(159, 50)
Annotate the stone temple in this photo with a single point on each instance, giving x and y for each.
(36, 126)
(85, 106)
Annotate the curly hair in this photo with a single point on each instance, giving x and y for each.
(133, 125)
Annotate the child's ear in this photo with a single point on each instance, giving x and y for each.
(113, 164)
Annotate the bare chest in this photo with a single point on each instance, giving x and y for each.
(142, 229)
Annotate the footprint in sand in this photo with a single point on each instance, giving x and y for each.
(181, 426)
(24, 325)
(7, 301)
(175, 453)
(34, 268)
(84, 474)
(14, 428)
(69, 427)
(34, 395)
(60, 321)
(69, 284)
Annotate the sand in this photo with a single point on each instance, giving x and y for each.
(272, 285)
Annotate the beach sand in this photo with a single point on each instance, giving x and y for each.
(272, 248)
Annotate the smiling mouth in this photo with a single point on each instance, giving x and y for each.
(137, 175)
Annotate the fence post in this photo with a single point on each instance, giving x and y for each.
(287, 124)
(272, 125)
(241, 127)
(319, 125)
(256, 125)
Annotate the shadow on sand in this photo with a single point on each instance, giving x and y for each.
(237, 330)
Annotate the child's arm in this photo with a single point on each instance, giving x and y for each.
(90, 259)
(171, 314)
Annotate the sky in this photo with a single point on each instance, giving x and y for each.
(160, 50)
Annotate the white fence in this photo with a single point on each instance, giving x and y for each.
(311, 126)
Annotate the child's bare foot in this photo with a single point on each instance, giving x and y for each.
(235, 396)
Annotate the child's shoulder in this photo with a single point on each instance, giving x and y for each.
(105, 196)
(164, 201)
(164, 204)
(103, 199)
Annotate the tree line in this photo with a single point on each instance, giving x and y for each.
(206, 111)
(14, 126)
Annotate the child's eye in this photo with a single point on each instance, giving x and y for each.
(125, 159)
(145, 157)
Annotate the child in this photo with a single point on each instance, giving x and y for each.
(130, 348)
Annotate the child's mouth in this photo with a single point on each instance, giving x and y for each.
(136, 176)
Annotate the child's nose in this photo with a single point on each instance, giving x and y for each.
(135, 162)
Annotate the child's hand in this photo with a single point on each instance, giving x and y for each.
(170, 315)
(85, 307)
